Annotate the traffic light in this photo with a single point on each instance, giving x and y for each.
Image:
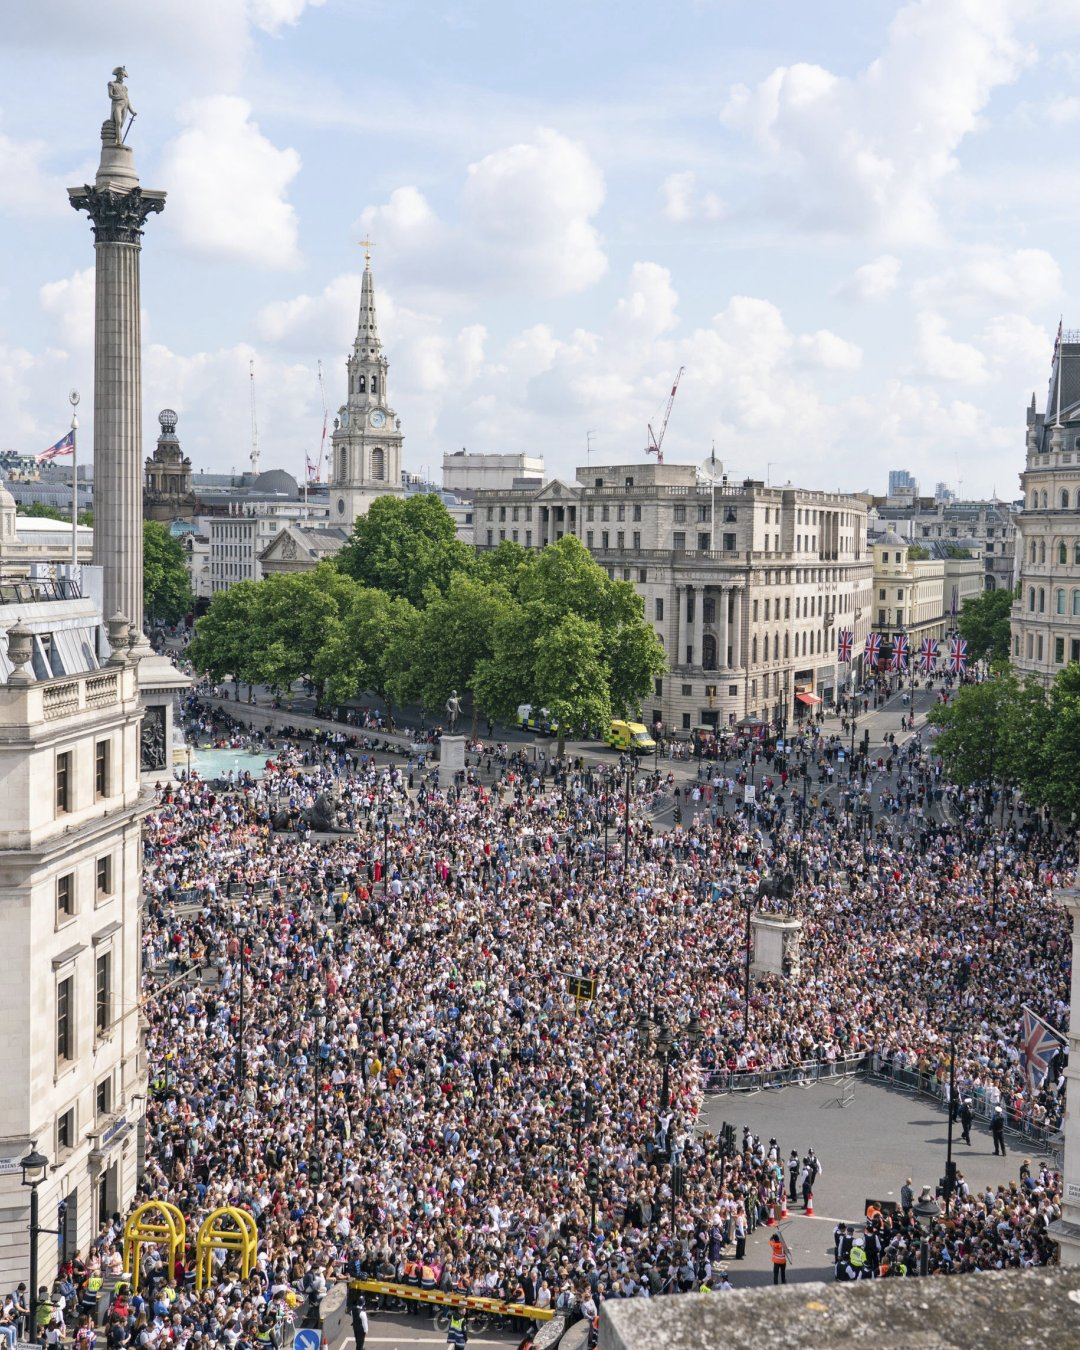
(592, 1179)
(678, 1180)
(576, 1106)
(590, 1108)
(314, 1171)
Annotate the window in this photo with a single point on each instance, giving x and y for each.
(65, 1130)
(590, 513)
(1076, 604)
(637, 539)
(659, 604)
(1042, 600)
(65, 1026)
(678, 541)
(101, 769)
(881, 593)
(703, 513)
(1031, 598)
(1059, 651)
(103, 1098)
(679, 515)
(514, 535)
(63, 782)
(103, 993)
(604, 539)
(502, 513)
(708, 609)
(378, 465)
(637, 511)
(65, 895)
(490, 535)
(588, 538)
(658, 688)
(620, 539)
(620, 511)
(729, 543)
(643, 572)
(605, 512)
(688, 690)
(1059, 601)
(1064, 499)
(1063, 552)
(767, 606)
(686, 721)
(528, 538)
(1039, 648)
(708, 652)
(755, 609)
(703, 542)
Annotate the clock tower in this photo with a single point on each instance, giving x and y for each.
(366, 444)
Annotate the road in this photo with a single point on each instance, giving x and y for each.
(390, 1331)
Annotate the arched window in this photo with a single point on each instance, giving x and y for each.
(1042, 600)
(1016, 644)
(1033, 550)
(1063, 552)
(753, 651)
(1076, 554)
(1034, 501)
(1031, 598)
(1043, 496)
(1029, 646)
(362, 386)
(708, 652)
(378, 463)
(776, 647)
(1042, 550)
(375, 390)
(1059, 600)
(786, 645)
(1078, 499)
(1064, 499)
(1076, 604)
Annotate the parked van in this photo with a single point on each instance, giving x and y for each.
(631, 736)
(536, 719)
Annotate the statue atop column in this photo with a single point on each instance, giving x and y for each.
(121, 108)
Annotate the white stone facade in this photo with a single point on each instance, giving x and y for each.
(70, 885)
(1046, 612)
(748, 601)
(468, 472)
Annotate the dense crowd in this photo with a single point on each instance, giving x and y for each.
(398, 1089)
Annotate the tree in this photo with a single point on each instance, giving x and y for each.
(455, 633)
(1058, 784)
(985, 622)
(406, 547)
(40, 511)
(916, 553)
(975, 740)
(369, 647)
(570, 676)
(166, 584)
(295, 611)
(225, 645)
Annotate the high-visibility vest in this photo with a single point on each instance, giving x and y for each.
(858, 1257)
(703, 1287)
(778, 1255)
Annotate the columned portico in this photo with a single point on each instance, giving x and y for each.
(736, 624)
(722, 600)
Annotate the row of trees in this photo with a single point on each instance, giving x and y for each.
(1012, 733)
(409, 612)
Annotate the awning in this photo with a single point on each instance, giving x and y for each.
(809, 699)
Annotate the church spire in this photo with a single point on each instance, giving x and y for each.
(367, 328)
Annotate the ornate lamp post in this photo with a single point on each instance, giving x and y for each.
(34, 1168)
(318, 1017)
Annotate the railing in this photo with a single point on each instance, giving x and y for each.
(803, 1074)
(102, 690)
(24, 592)
(59, 700)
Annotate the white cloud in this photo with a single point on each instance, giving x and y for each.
(826, 351)
(1063, 110)
(273, 15)
(228, 187)
(310, 322)
(29, 189)
(524, 222)
(651, 303)
(941, 357)
(985, 275)
(869, 155)
(683, 203)
(1013, 343)
(873, 280)
(70, 304)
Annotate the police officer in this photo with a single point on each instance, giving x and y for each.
(966, 1118)
(359, 1322)
(997, 1129)
(458, 1333)
(793, 1175)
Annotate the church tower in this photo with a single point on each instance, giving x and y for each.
(366, 444)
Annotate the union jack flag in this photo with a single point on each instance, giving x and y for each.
(65, 446)
(928, 656)
(843, 645)
(958, 658)
(1039, 1043)
(900, 652)
(872, 648)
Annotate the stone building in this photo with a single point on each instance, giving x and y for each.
(300, 547)
(747, 586)
(167, 479)
(465, 472)
(255, 517)
(365, 448)
(1046, 612)
(70, 885)
(928, 521)
(922, 597)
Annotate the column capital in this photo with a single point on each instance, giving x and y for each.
(117, 217)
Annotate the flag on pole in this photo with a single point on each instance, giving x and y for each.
(872, 647)
(1057, 341)
(1039, 1043)
(958, 657)
(900, 653)
(843, 644)
(62, 447)
(928, 656)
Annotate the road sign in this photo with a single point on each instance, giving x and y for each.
(749, 792)
(307, 1339)
(581, 986)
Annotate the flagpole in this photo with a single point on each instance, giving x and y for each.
(73, 398)
(1057, 377)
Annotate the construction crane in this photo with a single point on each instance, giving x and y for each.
(656, 440)
(322, 442)
(254, 422)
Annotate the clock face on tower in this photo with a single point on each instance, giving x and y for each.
(377, 418)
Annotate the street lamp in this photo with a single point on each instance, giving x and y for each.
(34, 1168)
(240, 928)
(318, 1017)
(657, 729)
(631, 770)
(748, 903)
(666, 1046)
(953, 1030)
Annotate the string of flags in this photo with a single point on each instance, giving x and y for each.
(897, 651)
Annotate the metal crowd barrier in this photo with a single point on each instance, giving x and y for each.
(803, 1074)
(495, 1306)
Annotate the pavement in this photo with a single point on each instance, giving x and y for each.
(867, 1149)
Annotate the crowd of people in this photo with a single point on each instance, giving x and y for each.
(388, 1073)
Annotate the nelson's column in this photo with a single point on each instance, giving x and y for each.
(118, 209)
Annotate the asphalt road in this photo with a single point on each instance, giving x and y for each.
(389, 1331)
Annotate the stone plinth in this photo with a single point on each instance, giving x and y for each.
(451, 759)
(776, 944)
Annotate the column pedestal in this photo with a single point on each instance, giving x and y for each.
(451, 759)
(776, 944)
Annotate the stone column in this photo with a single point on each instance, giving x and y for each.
(118, 209)
(675, 657)
(736, 625)
(722, 597)
(698, 593)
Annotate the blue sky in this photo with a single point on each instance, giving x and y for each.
(855, 224)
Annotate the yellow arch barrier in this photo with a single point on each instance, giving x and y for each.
(213, 1235)
(169, 1229)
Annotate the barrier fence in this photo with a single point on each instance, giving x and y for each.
(875, 1069)
(438, 1297)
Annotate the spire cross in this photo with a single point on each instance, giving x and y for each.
(367, 245)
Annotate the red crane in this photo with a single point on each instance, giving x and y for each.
(656, 442)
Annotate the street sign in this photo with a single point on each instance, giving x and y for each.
(581, 986)
(307, 1339)
(749, 792)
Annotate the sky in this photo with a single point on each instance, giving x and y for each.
(853, 222)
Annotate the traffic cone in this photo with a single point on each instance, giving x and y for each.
(769, 1218)
(810, 1205)
(783, 1206)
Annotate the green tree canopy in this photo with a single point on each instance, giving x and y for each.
(166, 584)
(984, 621)
(407, 547)
(227, 642)
(41, 511)
(296, 609)
(369, 647)
(976, 741)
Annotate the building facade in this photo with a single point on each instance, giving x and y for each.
(1046, 612)
(747, 586)
(167, 476)
(365, 448)
(991, 524)
(70, 886)
(465, 473)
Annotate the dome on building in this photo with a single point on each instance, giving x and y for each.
(893, 540)
(276, 483)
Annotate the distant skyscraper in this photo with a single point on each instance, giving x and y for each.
(943, 493)
(901, 481)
